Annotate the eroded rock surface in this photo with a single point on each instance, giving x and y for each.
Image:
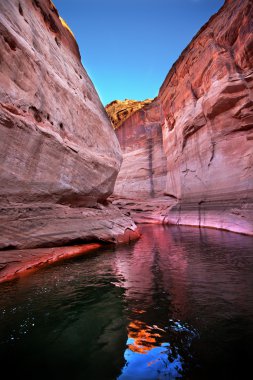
(120, 110)
(144, 168)
(59, 156)
(13, 265)
(206, 108)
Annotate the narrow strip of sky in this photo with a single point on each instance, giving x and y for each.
(128, 46)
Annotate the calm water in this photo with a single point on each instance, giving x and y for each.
(178, 303)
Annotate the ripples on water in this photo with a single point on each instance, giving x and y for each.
(178, 303)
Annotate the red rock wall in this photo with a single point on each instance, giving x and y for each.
(143, 171)
(207, 102)
(55, 159)
(207, 121)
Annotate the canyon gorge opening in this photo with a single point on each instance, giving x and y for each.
(80, 179)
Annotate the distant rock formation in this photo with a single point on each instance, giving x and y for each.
(144, 168)
(206, 133)
(119, 111)
(59, 156)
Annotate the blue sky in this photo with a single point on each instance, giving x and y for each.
(128, 46)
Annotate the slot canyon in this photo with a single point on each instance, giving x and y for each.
(138, 213)
(187, 154)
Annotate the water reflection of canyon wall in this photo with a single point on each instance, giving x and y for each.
(172, 294)
(173, 303)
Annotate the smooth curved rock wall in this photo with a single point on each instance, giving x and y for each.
(207, 128)
(59, 155)
(207, 103)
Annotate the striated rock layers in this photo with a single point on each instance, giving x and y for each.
(59, 156)
(206, 122)
(143, 172)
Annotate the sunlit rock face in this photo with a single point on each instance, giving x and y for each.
(59, 155)
(120, 110)
(206, 121)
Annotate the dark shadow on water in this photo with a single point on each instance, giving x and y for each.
(176, 304)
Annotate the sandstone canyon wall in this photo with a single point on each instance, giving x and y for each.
(120, 110)
(59, 156)
(143, 172)
(206, 123)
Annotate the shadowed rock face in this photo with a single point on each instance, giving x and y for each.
(143, 171)
(206, 121)
(59, 156)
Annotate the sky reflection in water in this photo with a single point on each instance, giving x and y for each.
(178, 303)
(163, 274)
(148, 355)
